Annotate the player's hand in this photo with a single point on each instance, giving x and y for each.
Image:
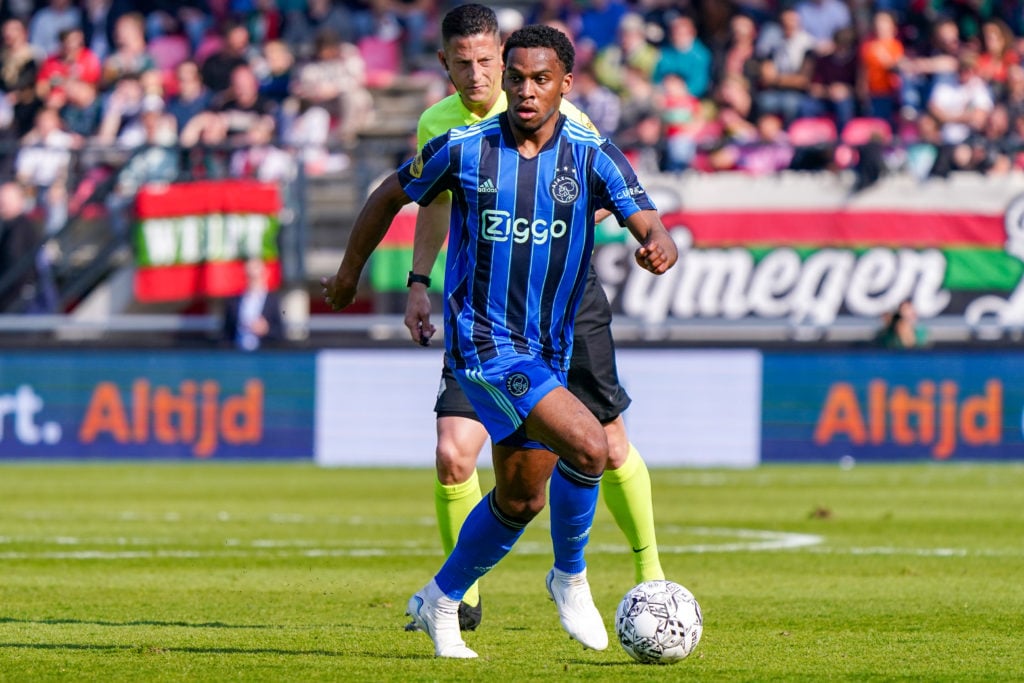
(417, 315)
(338, 293)
(656, 255)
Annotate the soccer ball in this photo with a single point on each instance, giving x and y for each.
(658, 622)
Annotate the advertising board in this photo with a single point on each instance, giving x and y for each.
(887, 407)
(802, 253)
(690, 408)
(159, 405)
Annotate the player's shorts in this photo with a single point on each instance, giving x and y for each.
(593, 376)
(503, 391)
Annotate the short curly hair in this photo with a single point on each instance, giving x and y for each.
(537, 35)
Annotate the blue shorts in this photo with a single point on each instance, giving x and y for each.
(504, 390)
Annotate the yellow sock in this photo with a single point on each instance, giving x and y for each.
(453, 504)
(627, 492)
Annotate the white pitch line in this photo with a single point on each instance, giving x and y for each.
(756, 540)
(209, 554)
(432, 552)
(917, 552)
(745, 540)
(173, 517)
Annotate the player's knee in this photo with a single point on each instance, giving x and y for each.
(522, 508)
(618, 443)
(592, 454)
(454, 464)
(618, 453)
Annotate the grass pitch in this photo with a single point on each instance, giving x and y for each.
(221, 572)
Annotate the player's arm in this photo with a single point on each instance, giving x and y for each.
(431, 229)
(623, 194)
(657, 252)
(371, 225)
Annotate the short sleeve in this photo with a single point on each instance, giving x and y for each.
(426, 175)
(616, 187)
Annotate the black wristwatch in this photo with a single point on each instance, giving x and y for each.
(416, 277)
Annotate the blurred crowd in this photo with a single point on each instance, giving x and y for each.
(101, 87)
(923, 86)
(140, 91)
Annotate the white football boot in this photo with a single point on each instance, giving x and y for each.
(437, 615)
(576, 609)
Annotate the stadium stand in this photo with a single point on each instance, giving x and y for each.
(97, 100)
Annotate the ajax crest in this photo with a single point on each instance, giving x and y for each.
(565, 189)
(517, 384)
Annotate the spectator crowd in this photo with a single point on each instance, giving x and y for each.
(924, 86)
(141, 91)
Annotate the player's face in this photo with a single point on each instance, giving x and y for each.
(535, 81)
(474, 67)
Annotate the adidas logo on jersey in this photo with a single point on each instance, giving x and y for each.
(487, 186)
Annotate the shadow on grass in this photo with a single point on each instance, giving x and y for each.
(612, 665)
(165, 650)
(157, 650)
(140, 622)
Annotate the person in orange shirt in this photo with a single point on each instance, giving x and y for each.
(880, 57)
(998, 54)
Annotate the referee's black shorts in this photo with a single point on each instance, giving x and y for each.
(593, 376)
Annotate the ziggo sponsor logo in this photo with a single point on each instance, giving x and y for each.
(196, 414)
(498, 226)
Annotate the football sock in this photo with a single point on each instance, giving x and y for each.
(453, 504)
(486, 537)
(627, 492)
(573, 499)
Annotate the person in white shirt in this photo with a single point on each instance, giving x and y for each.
(783, 51)
(962, 106)
(43, 163)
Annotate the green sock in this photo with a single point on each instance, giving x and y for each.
(453, 504)
(627, 492)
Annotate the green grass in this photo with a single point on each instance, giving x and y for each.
(222, 572)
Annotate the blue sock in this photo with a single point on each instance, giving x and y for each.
(486, 536)
(573, 499)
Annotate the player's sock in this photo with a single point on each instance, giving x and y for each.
(487, 535)
(453, 504)
(573, 499)
(627, 492)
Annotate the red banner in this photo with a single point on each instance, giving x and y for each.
(193, 238)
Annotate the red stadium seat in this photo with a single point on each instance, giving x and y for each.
(813, 139)
(709, 134)
(862, 130)
(209, 45)
(169, 51)
(812, 131)
(383, 60)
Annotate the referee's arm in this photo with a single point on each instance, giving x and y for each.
(432, 222)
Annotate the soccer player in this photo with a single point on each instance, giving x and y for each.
(516, 269)
(471, 56)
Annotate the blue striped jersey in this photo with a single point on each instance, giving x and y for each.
(521, 234)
